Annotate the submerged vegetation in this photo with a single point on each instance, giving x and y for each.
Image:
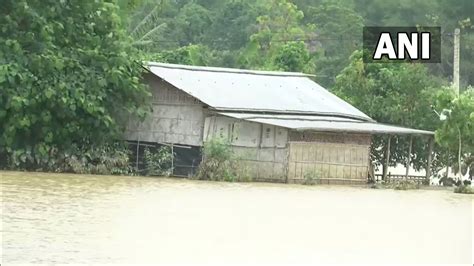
(312, 178)
(397, 185)
(158, 161)
(464, 189)
(405, 185)
(220, 163)
(110, 158)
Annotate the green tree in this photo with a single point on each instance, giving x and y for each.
(67, 77)
(232, 26)
(198, 55)
(145, 22)
(293, 57)
(280, 24)
(192, 21)
(338, 34)
(456, 133)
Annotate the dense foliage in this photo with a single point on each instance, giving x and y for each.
(457, 127)
(247, 33)
(67, 78)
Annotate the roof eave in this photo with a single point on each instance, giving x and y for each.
(287, 112)
(373, 132)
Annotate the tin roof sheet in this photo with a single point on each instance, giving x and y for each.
(236, 89)
(324, 123)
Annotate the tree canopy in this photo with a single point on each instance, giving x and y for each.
(247, 33)
(457, 115)
(67, 76)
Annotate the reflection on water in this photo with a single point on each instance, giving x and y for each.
(56, 218)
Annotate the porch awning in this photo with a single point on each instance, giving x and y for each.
(326, 123)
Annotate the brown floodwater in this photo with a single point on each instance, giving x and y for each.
(59, 218)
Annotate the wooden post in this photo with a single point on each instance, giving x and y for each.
(408, 157)
(172, 159)
(138, 151)
(387, 159)
(259, 149)
(430, 154)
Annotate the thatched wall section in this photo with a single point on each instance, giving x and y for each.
(177, 117)
(328, 157)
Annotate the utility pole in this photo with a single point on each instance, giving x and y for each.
(456, 61)
(457, 34)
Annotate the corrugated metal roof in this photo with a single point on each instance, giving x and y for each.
(234, 89)
(321, 123)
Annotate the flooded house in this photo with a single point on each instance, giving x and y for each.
(284, 126)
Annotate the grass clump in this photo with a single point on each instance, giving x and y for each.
(311, 178)
(405, 185)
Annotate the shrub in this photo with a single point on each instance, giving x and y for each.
(104, 160)
(447, 181)
(112, 158)
(464, 189)
(405, 185)
(220, 163)
(159, 162)
(311, 178)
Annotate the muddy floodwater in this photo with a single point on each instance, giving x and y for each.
(56, 218)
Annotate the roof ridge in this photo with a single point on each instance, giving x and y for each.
(228, 70)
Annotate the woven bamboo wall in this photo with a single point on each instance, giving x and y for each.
(177, 117)
(328, 158)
